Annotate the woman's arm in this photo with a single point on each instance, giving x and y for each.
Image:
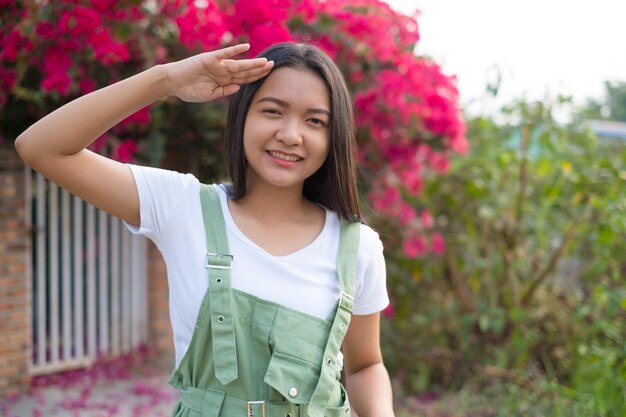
(367, 380)
(55, 145)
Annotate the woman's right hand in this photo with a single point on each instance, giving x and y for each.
(210, 75)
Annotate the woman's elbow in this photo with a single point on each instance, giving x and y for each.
(21, 145)
(26, 149)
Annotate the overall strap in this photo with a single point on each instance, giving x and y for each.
(219, 263)
(349, 239)
(346, 268)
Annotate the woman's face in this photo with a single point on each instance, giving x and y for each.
(286, 132)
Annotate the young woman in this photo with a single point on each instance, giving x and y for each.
(269, 276)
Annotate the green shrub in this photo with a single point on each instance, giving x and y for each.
(533, 278)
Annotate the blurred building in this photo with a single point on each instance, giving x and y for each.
(609, 130)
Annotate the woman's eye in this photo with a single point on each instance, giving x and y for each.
(271, 111)
(317, 121)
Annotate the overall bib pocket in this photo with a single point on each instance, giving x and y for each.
(293, 378)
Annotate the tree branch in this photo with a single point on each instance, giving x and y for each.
(523, 184)
(512, 238)
(458, 284)
(542, 274)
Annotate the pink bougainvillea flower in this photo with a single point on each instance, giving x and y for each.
(328, 46)
(57, 63)
(407, 214)
(7, 78)
(459, 143)
(246, 14)
(266, 34)
(412, 179)
(141, 117)
(305, 9)
(106, 49)
(12, 44)
(357, 76)
(438, 162)
(103, 5)
(375, 29)
(414, 247)
(438, 244)
(262, 23)
(385, 200)
(86, 85)
(46, 30)
(193, 20)
(426, 219)
(79, 21)
(125, 151)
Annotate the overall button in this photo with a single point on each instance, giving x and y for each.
(220, 319)
(293, 392)
(218, 280)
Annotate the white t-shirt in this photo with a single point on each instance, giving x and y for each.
(306, 280)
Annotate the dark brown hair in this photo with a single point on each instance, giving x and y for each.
(333, 185)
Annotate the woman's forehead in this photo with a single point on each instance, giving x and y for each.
(295, 86)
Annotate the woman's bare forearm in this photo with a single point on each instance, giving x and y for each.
(370, 392)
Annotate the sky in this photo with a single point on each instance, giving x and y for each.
(540, 47)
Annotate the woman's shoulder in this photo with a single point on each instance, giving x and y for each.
(369, 237)
(163, 177)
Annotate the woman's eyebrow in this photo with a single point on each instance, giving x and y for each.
(283, 103)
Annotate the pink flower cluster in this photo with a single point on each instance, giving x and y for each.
(71, 29)
(408, 116)
(12, 42)
(408, 110)
(370, 29)
(200, 26)
(262, 23)
(419, 235)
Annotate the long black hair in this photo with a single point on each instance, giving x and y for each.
(333, 185)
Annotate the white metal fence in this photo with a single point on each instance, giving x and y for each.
(88, 281)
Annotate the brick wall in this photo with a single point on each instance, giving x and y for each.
(15, 291)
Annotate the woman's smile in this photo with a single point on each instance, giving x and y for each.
(284, 157)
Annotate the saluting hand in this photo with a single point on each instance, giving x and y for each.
(209, 75)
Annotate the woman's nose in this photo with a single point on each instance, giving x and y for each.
(289, 132)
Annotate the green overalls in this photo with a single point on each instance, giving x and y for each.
(252, 357)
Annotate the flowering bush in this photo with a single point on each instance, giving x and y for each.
(408, 116)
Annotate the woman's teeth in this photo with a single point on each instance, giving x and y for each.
(284, 157)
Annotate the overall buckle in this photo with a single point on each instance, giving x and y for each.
(346, 302)
(219, 261)
(251, 413)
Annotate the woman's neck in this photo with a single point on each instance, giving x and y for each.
(276, 204)
(281, 221)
